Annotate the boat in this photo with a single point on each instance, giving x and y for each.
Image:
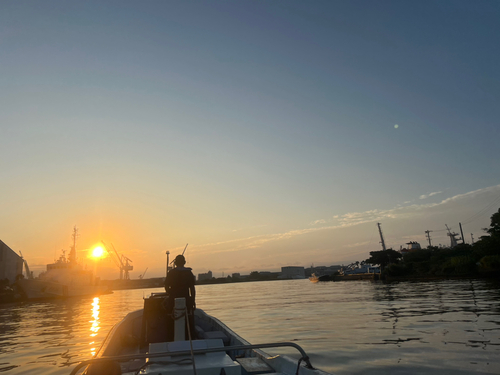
(64, 278)
(138, 345)
(313, 278)
(356, 269)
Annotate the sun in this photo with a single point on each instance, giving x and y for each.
(98, 252)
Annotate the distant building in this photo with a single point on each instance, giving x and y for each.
(322, 270)
(292, 272)
(266, 275)
(412, 246)
(11, 264)
(236, 275)
(205, 276)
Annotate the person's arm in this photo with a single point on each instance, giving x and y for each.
(192, 291)
(167, 283)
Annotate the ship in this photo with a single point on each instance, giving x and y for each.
(64, 278)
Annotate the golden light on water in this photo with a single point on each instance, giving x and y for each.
(94, 328)
(98, 252)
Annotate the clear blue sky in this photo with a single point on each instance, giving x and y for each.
(262, 133)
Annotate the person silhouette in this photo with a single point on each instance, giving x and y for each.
(179, 283)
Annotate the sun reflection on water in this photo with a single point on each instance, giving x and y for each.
(94, 328)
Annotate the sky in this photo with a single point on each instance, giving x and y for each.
(261, 133)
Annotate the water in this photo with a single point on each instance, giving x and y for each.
(359, 327)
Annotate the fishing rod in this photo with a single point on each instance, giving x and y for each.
(181, 254)
(168, 253)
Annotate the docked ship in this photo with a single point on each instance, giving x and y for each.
(64, 278)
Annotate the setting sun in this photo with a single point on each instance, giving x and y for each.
(98, 252)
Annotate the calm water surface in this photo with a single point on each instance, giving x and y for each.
(359, 327)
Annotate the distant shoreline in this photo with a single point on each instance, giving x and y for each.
(385, 278)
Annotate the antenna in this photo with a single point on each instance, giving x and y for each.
(427, 234)
(72, 252)
(168, 254)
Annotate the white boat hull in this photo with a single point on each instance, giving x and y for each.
(137, 344)
(40, 289)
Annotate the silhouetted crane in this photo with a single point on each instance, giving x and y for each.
(121, 261)
(29, 274)
(142, 276)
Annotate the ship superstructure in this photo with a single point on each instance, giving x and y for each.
(63, 278)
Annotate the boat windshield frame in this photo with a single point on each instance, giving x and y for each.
(122, 358)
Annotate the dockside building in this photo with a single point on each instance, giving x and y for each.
(292, 272)
(11, 264)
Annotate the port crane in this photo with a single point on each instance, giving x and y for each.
(381, 237)
(121, 261)
(453, 237)
(142, 276)
(29, 274)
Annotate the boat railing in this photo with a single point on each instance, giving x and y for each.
(123, 358)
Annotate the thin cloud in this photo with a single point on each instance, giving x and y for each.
(425, 196)
(316, 222)
(471, 194)
(358, 244)
(343, 221)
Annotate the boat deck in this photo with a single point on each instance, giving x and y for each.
(141, 343)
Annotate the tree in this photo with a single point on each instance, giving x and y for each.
(494, 229)
(383, 257)
(489, 245)
(421, 255)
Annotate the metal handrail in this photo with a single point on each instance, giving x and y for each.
(121, 358)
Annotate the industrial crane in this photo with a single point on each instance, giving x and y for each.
(29, 274)
(121, 261)
(142, 276)
(453, 237)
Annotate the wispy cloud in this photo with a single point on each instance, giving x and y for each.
(425, 196)
(472, 194)
(358, 244)
(316, 222)
(341, 221)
